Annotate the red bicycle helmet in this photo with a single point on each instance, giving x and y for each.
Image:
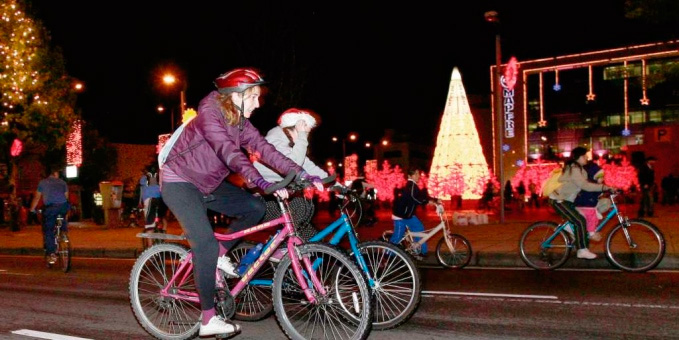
(238, 80)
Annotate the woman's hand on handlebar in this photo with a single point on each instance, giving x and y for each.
(282, 193)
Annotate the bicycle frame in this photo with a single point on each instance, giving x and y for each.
(428, 233)
(341, 227)
(614, 211)
(288, 232)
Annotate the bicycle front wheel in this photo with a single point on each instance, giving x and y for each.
(253, 303)
(542, 248)
(353, 208)
(397, 286)
(343, 312)
(454, 251)
(164, 317)
(64, 253)
(636, 247)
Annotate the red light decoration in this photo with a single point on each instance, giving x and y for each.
(511, 71)
(16, 148)
(74, 145)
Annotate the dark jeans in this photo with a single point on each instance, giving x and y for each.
(568, 211)
(189, 206)
(49, 220)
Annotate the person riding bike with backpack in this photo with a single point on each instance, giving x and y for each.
(573, 179)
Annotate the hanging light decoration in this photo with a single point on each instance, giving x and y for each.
(556, 86)
(590, 96)
(542, 122)
(644, 100)
(626, 132)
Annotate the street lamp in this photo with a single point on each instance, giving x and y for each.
(494, 18)
(352, 138)
(169, 79)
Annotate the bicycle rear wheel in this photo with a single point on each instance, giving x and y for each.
(253, 303)
(397, 287)
(344, 312)
(456, 252)
(163, 317)
(536, 254)
(64, 253)
(637, 247)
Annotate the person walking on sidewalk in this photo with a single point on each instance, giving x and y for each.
(205, 151)
(574, 179)
(54, 193)
(405, 202)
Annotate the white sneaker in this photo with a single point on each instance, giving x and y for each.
(584, 253)
(218, 326)
(224, 264)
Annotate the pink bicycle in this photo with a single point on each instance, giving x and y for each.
(318, 292)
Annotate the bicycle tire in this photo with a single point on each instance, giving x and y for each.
(646, 254)
(346, 289)
(456, 255)
(398, 287)
(535, 255)
(253, 303)
(353, 208)
(151, 272)
(64, 253)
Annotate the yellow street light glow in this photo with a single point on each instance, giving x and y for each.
(169, 79)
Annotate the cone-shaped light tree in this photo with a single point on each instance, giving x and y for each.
(459, 166)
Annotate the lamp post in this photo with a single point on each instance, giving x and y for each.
(494, 18)
(169, 79)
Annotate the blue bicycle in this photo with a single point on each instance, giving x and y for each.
(390, 271)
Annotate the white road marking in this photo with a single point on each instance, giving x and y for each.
(511, 296)
(43, 335)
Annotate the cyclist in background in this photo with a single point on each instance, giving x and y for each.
(405, 202)
(290, 137)
(54, 193)
(204, 152)
(573, 180)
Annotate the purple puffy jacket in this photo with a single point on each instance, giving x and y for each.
(209, 149)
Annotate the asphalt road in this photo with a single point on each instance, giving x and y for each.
(91, 302)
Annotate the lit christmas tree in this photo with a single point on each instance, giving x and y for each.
(35, 91)
(458, 167)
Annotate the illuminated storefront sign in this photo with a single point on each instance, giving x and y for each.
(508, 81)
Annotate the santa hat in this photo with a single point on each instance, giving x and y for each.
(291, 116)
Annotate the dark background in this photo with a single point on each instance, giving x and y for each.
(361, 65)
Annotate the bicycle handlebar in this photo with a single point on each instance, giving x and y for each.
(281, 184)
(293, 183)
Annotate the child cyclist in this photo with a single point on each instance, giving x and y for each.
(403, 212)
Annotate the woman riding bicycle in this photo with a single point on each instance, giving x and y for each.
(574, 179)
(207, 150)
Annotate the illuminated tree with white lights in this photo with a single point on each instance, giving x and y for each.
(35, 91)
(458, 167)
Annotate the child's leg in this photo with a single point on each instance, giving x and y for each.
(399, 231)
(416, 225)
(590, 217)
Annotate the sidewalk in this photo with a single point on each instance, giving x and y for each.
(493, 244)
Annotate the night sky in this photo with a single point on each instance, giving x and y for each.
(359, 65)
